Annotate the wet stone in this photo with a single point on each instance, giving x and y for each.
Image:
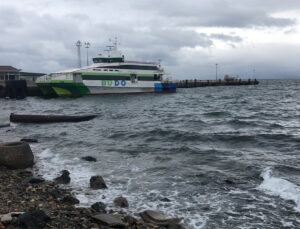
(99, 207)
(121, 202)
(64, 178)
(97, 182)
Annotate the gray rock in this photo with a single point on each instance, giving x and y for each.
(99, 207)
(109, 220)
(97, 182)
(16, 155)
(158, 218)
(64, 178)
(121, 202)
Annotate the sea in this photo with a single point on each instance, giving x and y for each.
(220, 157)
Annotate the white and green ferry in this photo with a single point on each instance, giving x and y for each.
(110, 74)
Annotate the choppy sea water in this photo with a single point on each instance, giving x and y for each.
(226, 157)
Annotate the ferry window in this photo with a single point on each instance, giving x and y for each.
(111, 70)
(105, 70)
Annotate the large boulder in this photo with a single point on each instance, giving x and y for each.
(97, 182)
(16, 155)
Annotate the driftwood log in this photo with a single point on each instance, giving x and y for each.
(22, 118)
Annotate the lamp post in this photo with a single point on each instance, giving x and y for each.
(78, 44)
(87, 45)
(216, 72)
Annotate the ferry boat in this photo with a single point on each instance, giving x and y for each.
(110, 74)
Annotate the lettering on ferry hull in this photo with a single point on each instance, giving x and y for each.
(110, 83)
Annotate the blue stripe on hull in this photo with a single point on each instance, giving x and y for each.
(165, 87)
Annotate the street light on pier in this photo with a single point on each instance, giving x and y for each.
(87, 45)
(216, 72)
(78, 44)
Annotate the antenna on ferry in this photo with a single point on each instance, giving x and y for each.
(78, 44)
(87, 45)
(108, 50)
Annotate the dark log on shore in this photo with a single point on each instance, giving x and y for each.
(49, 118)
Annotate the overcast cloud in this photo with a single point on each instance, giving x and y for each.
(189, 36)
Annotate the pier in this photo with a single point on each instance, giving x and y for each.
(206, 83)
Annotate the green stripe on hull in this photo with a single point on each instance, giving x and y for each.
(46, 89)
(70, 88)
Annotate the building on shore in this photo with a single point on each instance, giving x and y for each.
(9, 73)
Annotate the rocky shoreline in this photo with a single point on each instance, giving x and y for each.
(28, 201)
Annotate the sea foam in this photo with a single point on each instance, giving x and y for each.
(280, 187)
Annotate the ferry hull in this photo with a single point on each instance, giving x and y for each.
(73, 89)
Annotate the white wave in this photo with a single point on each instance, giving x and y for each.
(280, 187)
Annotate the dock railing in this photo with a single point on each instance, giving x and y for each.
(205, 83)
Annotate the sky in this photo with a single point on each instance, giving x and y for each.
(248, 38)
